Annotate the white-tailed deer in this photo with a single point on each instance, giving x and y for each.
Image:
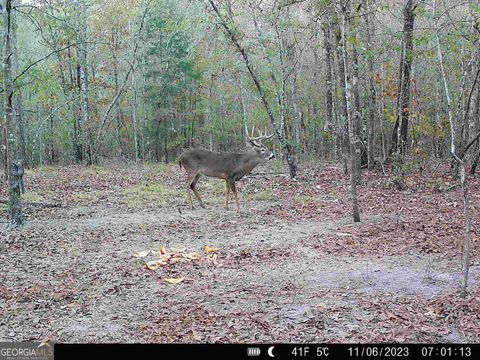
(228, 166)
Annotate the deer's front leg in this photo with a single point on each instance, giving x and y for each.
(227, 193)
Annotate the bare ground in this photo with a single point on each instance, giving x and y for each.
(289, 269)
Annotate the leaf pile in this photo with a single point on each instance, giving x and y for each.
(169, 257)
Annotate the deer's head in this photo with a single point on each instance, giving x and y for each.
(256, 145)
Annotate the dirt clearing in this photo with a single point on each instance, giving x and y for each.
(291, 266)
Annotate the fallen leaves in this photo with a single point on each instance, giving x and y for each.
(169, 257)
(419, 219)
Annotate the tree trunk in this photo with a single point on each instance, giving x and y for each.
(117, 143)
(243, 111)
(158, 153)
(134, 102)
(344, 123)
(372, 99)
(82, 83)
(314, 108)
(352, 114)
(21, 147)
(475, 164)
(357, 110)
(165, 141)
(400, 130)
(381, 115)
(210, 114)
(13, 168)
(460, 163)
(329, 90)
(51, 146)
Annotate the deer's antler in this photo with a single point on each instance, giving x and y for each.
(260, 136)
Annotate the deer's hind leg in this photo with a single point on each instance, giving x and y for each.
(194, 189)
(192, 178)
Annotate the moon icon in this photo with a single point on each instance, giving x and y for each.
(270, 351)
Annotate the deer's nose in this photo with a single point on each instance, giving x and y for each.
(272, 155)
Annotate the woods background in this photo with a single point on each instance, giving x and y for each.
(142, 80)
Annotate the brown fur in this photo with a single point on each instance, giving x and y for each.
(230, 167)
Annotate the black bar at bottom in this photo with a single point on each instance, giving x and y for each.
(270, 351)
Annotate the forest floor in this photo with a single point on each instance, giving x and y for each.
(290, 267)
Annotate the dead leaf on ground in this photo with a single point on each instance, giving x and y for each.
(192, 256)
(209, 249)
(212, 258)
(154, 264)
(391, 315)
(174, 280)
(141, 254)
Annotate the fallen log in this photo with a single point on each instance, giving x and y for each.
(35, 204)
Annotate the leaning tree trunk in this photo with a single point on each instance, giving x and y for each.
(286, 147)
